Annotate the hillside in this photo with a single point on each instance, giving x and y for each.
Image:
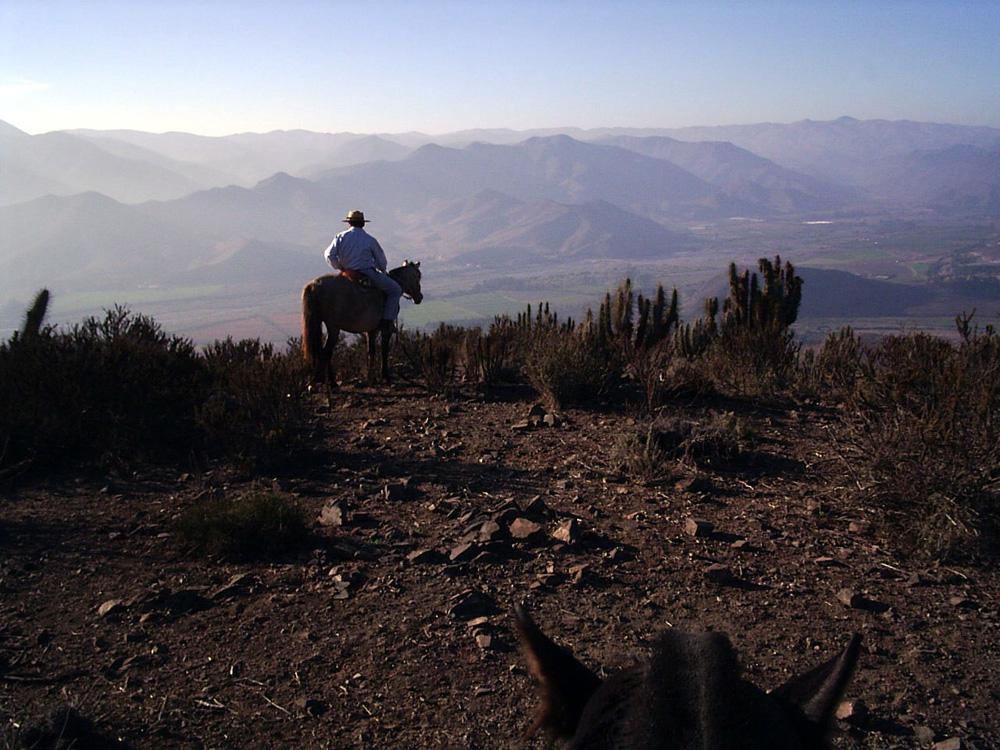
(88, 239)
(372, 637)
(494, 229)
(953, 180)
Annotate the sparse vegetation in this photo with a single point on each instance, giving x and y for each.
(435, 356)
(922, 441)
(638, 456)
(918, 436)
(257, 524)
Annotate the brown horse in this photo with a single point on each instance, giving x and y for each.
(345, 305)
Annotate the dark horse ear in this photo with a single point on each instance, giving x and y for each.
(813, 697)
(564, 683)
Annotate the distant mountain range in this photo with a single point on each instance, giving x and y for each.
(86, 208)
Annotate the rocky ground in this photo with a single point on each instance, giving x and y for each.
(433, 517)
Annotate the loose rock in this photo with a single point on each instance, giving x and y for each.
(523, 529)
(698, 527)
(110, 607)
(567, 532)
(425, 556)
(463, 552)
(855, 711)
(491, 531)
(718, 573)
(333, 514)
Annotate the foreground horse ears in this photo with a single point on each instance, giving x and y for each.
(564, 683)
(683, 669)
(814, 695)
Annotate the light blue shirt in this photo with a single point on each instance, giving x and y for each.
(354, 250)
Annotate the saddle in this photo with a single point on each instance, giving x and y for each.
(357, 277)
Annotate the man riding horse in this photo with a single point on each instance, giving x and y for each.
(354, 250)
(340, 303)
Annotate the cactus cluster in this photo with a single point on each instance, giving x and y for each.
(752, 304)
(544, 319)
(627, 319)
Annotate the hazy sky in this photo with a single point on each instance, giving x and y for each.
(217, 67)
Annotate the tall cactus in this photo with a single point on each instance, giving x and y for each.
(35, 315)
(694, 338)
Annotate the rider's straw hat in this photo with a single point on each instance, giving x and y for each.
(355, 215)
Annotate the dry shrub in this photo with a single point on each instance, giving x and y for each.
(638, 456)
(659, 448)
(756, 362)
(684, 377)
(922, 443)
(109, 390)
(646, 367)
(565, 367)
(494, 357)
(118, 390)
(254, 410)
(258, 524)
(717, 439)
(834, 370)
(435, 357)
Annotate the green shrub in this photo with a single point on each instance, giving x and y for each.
(257, 524)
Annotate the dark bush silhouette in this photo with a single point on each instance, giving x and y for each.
(118, 389)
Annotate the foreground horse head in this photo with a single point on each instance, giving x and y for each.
(688, 696)
(344, 305)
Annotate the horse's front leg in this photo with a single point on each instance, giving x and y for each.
(386, 340)
(371, 356)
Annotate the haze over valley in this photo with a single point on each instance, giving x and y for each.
(893, 223)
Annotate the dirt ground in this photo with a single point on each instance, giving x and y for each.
(375, 638)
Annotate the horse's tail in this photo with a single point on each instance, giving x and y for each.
(312, 328)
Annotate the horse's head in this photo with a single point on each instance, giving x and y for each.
(688, 695)
(408, 277)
